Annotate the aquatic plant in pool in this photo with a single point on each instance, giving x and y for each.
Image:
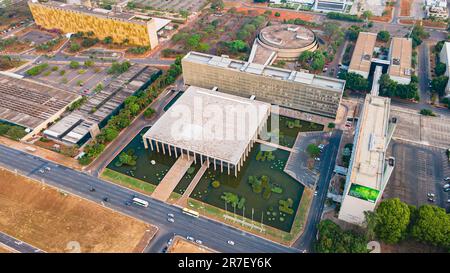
(145, 165)
(276, 186)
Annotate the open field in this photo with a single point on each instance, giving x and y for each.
(386, 17)
(181, 245)
(4, 249)
(49, 219)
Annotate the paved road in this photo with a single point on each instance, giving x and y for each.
(212, 233)
(423, 56)
(17, 244)
(328, 160)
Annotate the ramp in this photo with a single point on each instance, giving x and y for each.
(172, 178)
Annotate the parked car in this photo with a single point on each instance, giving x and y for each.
(447, 190)
(430, 194)
(171, 215)
(430, 199)
(190, 238)
(199, 242)
(447, 179)
(446, 186)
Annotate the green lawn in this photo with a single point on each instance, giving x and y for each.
(127, 181)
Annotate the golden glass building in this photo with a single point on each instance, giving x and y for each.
(139, 31)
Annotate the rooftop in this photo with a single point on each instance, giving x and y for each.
(287, 36)
(123, 16)
(371, 142)
(197, 122)
(400, 57)
(362, 54)
(28, 103)
(73, 127)
(268, 71)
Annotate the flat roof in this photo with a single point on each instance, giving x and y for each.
(371, 143)
(400, 57)
(362, 54)
(287, 36)
(211, 123)
(123, 16)
(268, 71)
(73, 127)
(28, 103)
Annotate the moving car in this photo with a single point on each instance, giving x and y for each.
(190, 238)
(230, 242)
(170, 220)
(199, 242)
(171, 215)
(430, 194)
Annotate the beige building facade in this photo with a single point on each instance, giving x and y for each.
(291, 89)
(71, 19)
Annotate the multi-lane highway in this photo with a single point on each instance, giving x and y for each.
(17, 244)
(213, 234)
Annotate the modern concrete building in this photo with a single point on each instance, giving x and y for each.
(362, 54)
(436, 3)
(209, 126)
(30, 104)
(369, 169)
(282, 42)
(444, 57)
(287, 88)
(137, 30)
(400, 56)
(331, 5)
(86, 122)
(437, 12)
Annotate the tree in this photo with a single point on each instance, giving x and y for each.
(193, 41)
(427, 112)
(110, 133)
(332, 239)
(354, 81)
(383, 36)
(331, 125)
(89, 63)
(352, 32)
(438, 85)
(148, 113)
(108, 40)
(392, 220)
(237, 46)
(277, 14)
(127, 159)
(74, 64)
(367, 14)
(440, 68)
(418, 34)
(313, 150)
(74, 47)
(217, 5)
(432, 225)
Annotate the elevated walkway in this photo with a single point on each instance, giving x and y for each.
(172, 178)
(182, 202)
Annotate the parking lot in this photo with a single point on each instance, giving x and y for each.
(412, 126)
(82, 80)
(173, 5)
(419, 170)
(37, 37)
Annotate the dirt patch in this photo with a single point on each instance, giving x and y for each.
(181, 245)
(409, 247)
(284, 15)
(426, 23)
(49, 219)
(405, 7)
(4, 249)
(387, 17)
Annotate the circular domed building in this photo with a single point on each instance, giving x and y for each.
(287, 40)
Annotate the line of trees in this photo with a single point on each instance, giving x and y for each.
(394, 221)
(133, 105)
(390, 88)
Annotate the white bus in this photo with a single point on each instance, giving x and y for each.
(190, 212)
(140, 202)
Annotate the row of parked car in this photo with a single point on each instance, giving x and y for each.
(14, 26)
(446, 188)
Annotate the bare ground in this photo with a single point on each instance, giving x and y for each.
(48, 219)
